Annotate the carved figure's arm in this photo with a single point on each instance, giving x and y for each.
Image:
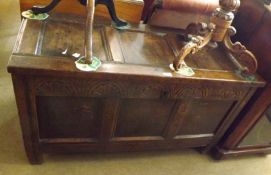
(192, 46)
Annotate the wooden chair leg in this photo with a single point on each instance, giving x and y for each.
(146, 9)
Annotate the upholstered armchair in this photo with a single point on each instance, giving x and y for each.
(177, 13)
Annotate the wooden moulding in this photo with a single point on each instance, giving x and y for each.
(220, 154)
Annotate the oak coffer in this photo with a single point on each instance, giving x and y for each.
(133, 102)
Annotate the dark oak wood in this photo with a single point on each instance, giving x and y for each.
(234, 143)
(133, 102)
(31, 142)
(260, 105)
(220, 154)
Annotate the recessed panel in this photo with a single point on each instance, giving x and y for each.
(148, 49)
(69, 117)
(203, 116)
(66, 39)
(143, 117)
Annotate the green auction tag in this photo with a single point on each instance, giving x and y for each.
(248, 77)
(184, 70)
(80, 64)
(30, 15)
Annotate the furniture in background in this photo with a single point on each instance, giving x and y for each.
(129, 10)
(177, 14)
(251, 132)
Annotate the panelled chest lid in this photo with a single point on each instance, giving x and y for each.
(51, 47)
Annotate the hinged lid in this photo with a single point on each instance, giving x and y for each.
(51, 46)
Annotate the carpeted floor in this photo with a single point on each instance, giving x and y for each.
(13, 160)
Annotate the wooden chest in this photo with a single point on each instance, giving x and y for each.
(132, 103)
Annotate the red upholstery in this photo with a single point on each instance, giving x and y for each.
(179, 13)
(194, 6)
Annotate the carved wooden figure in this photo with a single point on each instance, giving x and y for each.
(218, 30)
